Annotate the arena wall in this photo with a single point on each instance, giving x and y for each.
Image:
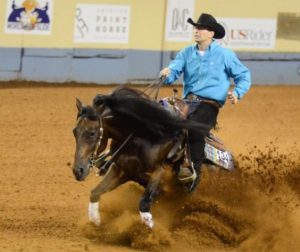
(57, 54)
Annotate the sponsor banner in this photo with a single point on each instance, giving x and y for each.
(249, 33)
(97, 23)
(177, 28)
(29, 17)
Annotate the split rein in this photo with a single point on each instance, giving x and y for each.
(96, 158)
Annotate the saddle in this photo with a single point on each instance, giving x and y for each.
(175, 106)
(215, 150)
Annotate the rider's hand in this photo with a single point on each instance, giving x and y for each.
(232, 97)
(165, 72)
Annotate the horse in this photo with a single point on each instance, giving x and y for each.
(144, 139)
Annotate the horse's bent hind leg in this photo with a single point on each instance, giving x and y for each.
(111, 180)
(150, 193)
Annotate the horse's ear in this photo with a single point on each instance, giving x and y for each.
(78, 105)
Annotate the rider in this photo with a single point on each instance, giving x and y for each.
(207, 68)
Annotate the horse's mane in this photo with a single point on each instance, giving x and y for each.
(137, 112)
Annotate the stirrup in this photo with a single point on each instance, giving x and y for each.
(190, 178)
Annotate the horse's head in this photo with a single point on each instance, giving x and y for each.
(88, 133)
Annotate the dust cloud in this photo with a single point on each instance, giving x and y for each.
(254, 208)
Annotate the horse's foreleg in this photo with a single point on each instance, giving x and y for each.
(150, 193)
(111, 180)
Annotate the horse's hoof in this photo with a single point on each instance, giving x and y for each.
(147, 219)
(95, 222)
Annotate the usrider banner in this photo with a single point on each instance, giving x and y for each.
(249, 33)
(29, 17)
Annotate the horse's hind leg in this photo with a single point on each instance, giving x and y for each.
(111, 180)
(150, 193)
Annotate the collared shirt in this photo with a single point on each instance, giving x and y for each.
(209, 75)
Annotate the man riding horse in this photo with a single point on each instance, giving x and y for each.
(143, 134)
(207, 69)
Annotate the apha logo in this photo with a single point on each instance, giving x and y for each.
(28, 16)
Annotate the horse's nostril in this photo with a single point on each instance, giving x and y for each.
(81, 171)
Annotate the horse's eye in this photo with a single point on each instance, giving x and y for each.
(92, 133)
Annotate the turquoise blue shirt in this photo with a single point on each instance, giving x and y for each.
(209, 75)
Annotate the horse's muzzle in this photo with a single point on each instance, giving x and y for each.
(80, 173)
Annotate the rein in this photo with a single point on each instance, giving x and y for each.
(155, 87)
(113, 156)
(101, 157)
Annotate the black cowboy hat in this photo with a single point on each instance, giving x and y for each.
(210, 22)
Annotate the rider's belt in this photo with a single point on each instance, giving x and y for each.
(193, 97)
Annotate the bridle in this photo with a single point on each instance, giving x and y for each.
(96, 158)
(101, 133)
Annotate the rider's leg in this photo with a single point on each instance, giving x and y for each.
(206, 114)
(196, 145)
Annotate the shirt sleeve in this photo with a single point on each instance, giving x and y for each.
(176, 66)
(239, 73)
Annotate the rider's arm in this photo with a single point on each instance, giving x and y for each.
(175, 68)
(239, 73)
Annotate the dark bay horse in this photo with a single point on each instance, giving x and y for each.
(142, 134)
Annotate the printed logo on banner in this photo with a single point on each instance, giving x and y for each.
(28, 16)
(177, 28)
(97, 23)
(249, 33)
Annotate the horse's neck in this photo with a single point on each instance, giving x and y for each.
(115, 132)
(110, 124)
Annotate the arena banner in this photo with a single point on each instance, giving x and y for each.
(29, 17)
(99, 23)
(177, 28)
(249, 33)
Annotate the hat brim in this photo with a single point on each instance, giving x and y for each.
(216, 27)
